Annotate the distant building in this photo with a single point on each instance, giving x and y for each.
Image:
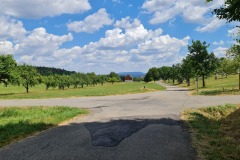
(128, 78)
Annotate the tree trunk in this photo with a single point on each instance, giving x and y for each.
(27, 88)
(203, 81)
(188, 82)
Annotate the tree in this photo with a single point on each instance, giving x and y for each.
(7, 69)
(202, 62)
(49, 81)
(187, 69)
(28, 76)
(229, 11)
(152, 75)
(164, 73)
(113, 79)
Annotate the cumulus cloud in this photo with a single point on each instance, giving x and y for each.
(221, 42)
(191, 11)
(39, 43)
(6, 47)
(92, 22)
(34, 9)
(128, 44)
(11, 29)
(220, 51)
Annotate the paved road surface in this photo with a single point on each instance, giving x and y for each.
(129, 127)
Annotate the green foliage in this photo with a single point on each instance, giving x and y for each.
(229, 11)
(215, 131)
(113, 79)
(17, 123)
(8, 72)
(152, 75)
(28, 76)
(202, 63)
(165, 73)
(50, 71)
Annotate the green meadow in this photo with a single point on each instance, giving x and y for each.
(39, 91)
(223, 85)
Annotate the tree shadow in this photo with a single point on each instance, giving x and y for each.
(13, 131)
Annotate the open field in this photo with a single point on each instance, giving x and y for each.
(222, 85)
(215, 131)
(18, 92)
(17, 123)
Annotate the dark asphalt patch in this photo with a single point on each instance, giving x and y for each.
(110, 134)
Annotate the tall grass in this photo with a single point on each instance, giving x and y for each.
(215, 131)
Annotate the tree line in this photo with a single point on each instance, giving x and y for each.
(29, 76)
(198, 63)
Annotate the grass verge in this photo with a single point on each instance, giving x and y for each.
(16, 92)
(215, 131)
(221, 86)
(19, 122)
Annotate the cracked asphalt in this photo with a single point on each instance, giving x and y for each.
(127, 127)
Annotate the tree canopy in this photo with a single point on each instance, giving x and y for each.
(229, 11)
(7, 69)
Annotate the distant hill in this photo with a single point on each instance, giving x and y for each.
(47, 71)
(133, 74)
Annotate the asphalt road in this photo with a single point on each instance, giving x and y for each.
(129, 127)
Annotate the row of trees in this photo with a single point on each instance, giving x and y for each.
(198, 63)
(28, 76)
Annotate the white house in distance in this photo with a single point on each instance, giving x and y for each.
(128, 78)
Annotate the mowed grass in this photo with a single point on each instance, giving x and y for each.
(215, 131)
(220, 86)
(17, 123)
(18, 92)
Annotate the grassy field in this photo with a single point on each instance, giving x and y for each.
(16, 92)
(215, 131)
(222, 85)
(17, 123)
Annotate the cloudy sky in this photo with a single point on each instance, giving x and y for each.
(109, 35)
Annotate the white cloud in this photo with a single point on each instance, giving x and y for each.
(91, 23)
(41, 43)
(127, 23)
(129, 46)
(11, 29)
(6, 47)
(235, 32)
(212, 26)
(34, 9)
(221, 42)
(220, 51)
(191, 11)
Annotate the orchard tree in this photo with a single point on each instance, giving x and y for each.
(152, 75)
(165, 73)
(28, 76)
(187, 69)
(203, 63)
(113, 79)
(8, 73)
(50, 81)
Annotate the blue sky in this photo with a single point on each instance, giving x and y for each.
(109, 35)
